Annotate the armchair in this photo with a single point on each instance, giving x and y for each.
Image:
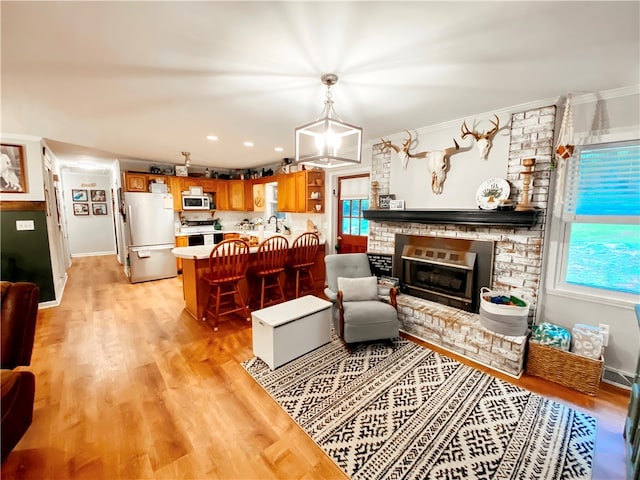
(358, 313)
(19, 311)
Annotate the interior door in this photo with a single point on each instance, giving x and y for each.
(352, 228)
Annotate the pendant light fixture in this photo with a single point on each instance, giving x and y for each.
(328, 142)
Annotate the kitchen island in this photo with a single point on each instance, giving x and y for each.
(195, 263)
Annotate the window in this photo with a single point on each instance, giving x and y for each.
(601, 221)
(352, 221)
(354, 198)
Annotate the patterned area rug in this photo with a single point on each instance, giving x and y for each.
(406, 412)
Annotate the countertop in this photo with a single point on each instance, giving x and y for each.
(201, 252)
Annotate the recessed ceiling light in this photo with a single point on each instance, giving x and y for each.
(279, 149)
(213, 138)
(248, 144)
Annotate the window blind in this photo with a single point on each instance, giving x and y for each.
(604, 180)
(354, 188)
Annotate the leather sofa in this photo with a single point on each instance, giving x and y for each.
(18, 322)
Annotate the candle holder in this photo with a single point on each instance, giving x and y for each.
(524, 204)
(373, 204)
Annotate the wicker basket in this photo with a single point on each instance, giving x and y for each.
(566, 368)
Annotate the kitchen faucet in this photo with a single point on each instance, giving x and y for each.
(269, 222)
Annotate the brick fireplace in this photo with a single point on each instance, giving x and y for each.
(517, 255)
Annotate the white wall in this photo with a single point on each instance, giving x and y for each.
(92, 234)
(608, 116)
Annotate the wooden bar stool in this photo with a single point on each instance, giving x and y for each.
(270, 260)
(301, 261)
(228, 262)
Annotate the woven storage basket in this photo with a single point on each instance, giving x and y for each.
(566, 368)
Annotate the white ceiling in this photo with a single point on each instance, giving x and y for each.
(149, 80)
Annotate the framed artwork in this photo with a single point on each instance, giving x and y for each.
(182, 171)
(383, 201)
(99, 208)
(98, 196)
(12, 174)
(79, 195)
(396, 204)
(81, 209)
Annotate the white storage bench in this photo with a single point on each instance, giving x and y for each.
(290, 329)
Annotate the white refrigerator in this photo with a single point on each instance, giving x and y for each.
(150, 235)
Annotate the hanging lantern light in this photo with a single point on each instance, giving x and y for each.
(328, 142)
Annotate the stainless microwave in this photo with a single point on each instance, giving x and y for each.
(195, 202)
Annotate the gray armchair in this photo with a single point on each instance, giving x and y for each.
(358, 313)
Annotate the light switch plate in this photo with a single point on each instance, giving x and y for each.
(25, 225)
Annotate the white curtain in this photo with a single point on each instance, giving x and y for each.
(353, 188)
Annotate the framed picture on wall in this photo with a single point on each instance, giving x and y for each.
(79, 195)
(98, 196)
(99, 208)
(12, 174)
(81, 209)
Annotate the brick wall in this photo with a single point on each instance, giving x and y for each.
(518, 253)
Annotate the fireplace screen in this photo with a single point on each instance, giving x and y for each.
(445, 276)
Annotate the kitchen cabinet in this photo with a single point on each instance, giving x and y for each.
(190, 182)
(235, 195)
(181, 241)
(298, 192)
(301, 192)
(248, 196)
(175, 189)
(314, 191)
(209, 185)
(222, 200)
(287, 193)
(259, 197)
(300, 180)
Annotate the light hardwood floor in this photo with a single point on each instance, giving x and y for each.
(128, 385)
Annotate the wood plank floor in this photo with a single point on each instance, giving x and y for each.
(128, 385)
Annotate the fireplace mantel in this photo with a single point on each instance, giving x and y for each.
(457, 217)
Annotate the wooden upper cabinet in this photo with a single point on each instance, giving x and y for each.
(300, 180)
(299, 192)
(286, 193)
(248, 196)
(314, 191)
(222, 200)
(175, 189)
(190, 182)
(209, 185)
(135, 182)
(236, 194)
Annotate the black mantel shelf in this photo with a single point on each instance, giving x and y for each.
(503, 218)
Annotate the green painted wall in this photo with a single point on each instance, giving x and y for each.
(25, 254)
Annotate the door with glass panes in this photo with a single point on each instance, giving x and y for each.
(353, 199)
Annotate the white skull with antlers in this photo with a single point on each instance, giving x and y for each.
(438, 165)
(403, 152)
(483, 140)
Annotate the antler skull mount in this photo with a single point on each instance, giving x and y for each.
(438, 163)
(484, 141)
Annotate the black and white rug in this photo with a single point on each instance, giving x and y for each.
(406, 412)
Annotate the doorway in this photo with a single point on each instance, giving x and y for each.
(352, 228)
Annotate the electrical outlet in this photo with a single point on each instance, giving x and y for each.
(25, 225)
(604, 329)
